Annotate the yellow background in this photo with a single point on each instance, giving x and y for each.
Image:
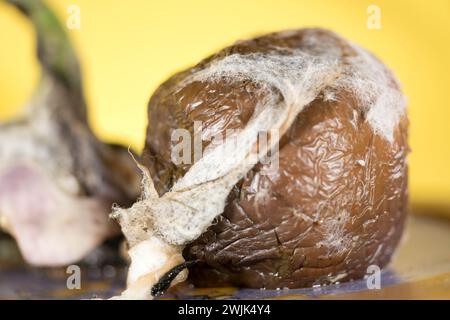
(129, 47)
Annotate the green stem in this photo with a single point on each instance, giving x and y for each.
(54, 50)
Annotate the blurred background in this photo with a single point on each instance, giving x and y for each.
(127, 48)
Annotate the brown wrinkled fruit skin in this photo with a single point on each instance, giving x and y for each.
(337, 204)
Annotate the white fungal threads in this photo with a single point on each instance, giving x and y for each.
(376, 90)
(298, 71)
(297, 77)
(185, 212)
(224, 145)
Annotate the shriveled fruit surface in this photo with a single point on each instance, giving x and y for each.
(337, 202)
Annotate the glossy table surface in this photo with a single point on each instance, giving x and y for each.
(419, 270)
